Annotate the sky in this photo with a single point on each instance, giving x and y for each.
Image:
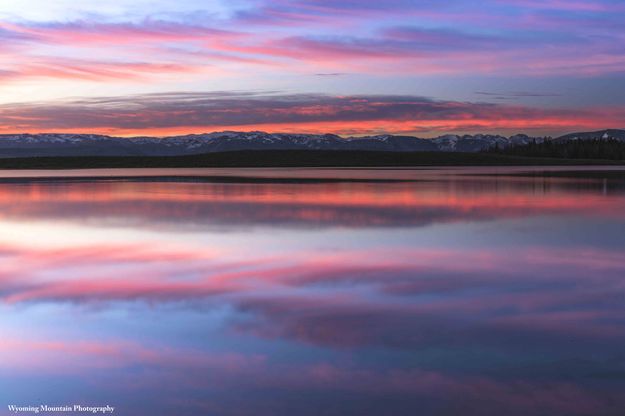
(419, 67)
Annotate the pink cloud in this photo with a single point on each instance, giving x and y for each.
(397, 50)
(188, 112)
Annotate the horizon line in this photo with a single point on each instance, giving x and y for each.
(356, 136)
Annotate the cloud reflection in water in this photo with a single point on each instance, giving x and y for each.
(435, 296)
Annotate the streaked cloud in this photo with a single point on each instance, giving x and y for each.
(362, 114)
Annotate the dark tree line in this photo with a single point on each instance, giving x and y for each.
(609, 149)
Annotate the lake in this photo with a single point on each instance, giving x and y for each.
(456, 291)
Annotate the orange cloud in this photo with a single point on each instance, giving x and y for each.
(181, 113)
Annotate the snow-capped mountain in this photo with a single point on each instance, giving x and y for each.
(49, 144)
(595, 135)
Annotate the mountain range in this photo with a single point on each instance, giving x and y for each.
(60, 144)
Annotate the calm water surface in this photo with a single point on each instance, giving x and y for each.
(272, 292)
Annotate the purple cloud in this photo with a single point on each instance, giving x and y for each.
(288, 112)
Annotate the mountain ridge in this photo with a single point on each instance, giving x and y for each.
(71, 144)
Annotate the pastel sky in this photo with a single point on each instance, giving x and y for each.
(351, 67)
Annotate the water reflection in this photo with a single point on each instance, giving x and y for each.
(436, 293)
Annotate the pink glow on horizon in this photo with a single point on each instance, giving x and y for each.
(188, 112)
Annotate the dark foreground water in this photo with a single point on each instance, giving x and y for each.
(415, 292)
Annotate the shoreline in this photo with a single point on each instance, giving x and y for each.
(295, 159)
(308, 175)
